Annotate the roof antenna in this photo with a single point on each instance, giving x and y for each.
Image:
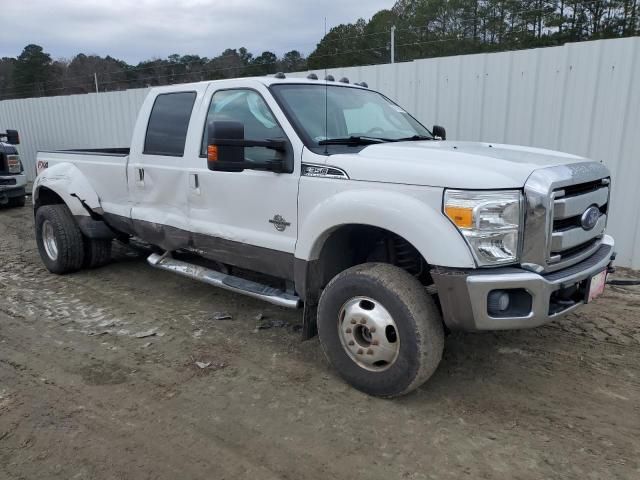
(326, 96)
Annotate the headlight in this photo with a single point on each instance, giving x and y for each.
(489, 221)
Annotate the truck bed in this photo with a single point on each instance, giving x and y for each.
(102, 170)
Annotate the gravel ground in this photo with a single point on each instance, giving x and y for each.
(99, 380)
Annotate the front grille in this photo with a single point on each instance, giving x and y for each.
(582, 188)
(573, 222)
(7, 181)
(569, 239)
(577, 250)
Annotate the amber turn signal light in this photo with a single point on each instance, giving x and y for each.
(462, 217)
(212, 153)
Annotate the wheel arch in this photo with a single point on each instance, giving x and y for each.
(419, 221)
(65, 183)
(330, 225)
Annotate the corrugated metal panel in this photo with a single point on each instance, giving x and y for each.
(580, 98)
(75, 121)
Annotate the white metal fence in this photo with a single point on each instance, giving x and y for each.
(582, 98)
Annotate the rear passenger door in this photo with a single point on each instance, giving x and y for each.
(159, 175)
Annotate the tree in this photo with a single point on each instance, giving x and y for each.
(7, 69)
(31, 71)
(293, 61)
(264, 64)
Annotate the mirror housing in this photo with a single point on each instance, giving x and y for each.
(222, 157)
(12, 137)
(440, 132)
(226, 144)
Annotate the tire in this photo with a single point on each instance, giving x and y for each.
(97, 252)
(374, 292)
(18, 201)
(64, 250)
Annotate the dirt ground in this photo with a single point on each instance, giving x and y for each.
(83, 397)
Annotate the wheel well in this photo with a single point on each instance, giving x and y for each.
(351, 245)
(47, 196)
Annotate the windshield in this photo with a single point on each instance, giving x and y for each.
(351, 113)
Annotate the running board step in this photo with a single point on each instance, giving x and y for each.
(222, 280)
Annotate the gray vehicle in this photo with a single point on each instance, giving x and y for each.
(12, 178)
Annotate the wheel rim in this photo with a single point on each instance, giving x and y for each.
(49, 240)
(368, 334)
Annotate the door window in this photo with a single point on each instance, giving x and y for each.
(249, 108)
(168, 124)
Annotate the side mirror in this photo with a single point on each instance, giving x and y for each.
(221, 155)
(12, 137)
(439, 132)
(226, 144)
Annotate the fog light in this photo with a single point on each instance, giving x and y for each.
(498, 301)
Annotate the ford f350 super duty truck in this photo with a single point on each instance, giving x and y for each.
(386, 233)
(12, 178)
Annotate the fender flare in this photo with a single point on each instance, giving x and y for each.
(433, 235)
(70, 184)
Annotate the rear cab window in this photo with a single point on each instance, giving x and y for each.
(168, 124)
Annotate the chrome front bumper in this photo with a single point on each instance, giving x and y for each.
(463, 294)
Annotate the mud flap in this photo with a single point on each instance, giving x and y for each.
(309, 321)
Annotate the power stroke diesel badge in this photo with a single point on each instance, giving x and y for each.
(279, 223)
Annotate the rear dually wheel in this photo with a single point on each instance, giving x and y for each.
(59, 239)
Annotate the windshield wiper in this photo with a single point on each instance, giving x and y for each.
(413, 138)
(353, 140)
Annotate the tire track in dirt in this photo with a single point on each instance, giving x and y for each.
(559, 401)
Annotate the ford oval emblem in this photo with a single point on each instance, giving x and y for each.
(590, 217)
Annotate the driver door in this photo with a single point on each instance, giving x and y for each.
(249, 218)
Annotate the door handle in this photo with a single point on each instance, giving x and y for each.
(140, 177)
(194, 183)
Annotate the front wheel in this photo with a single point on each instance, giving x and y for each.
(380, 329)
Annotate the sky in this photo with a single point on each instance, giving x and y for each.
(136, 30)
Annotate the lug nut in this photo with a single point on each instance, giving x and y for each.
(348, 330)
(351, 342)
(353, 321)
(363, 321)
(375, 342)
(370, 352)
(372, 329)
(360, 351)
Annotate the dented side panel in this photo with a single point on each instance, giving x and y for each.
(85, 181)
(70, 184)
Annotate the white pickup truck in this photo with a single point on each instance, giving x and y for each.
(387, 233)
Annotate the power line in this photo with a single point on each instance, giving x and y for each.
(411, 29)
(126, 71)
(244, 68)
(156, 77)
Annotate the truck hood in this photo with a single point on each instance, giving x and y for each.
(470, 165)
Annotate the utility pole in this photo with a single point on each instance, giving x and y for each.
(95, 79)
(393, 44)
